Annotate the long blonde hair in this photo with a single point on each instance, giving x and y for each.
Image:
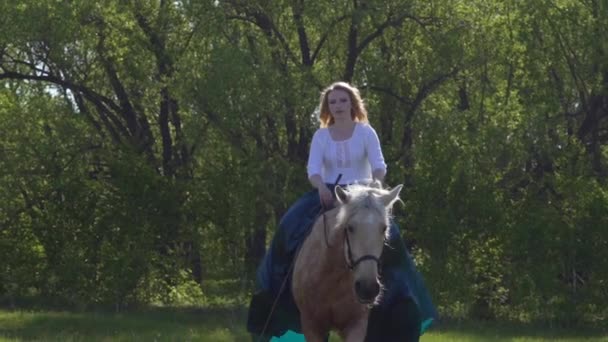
(358, 111)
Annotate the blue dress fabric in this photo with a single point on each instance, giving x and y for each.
(273, 312)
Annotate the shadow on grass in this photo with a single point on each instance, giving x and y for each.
(508, 331)
(149, 324)
(228, 324)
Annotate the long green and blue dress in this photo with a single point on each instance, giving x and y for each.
(405, 310)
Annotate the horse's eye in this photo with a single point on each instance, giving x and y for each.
(351, 229)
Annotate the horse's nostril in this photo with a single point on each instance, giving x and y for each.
(375, 289)
(367, 291)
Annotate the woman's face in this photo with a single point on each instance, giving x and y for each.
(339, 105)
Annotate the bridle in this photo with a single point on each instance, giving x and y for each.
(349, 262)
(353, 263)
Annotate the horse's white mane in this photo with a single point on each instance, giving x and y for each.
(362, 197)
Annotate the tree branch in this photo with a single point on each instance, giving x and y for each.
(297, 9)
(325, 35)
(388, 92)
(265, 23)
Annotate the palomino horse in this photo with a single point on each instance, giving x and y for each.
(335, 278)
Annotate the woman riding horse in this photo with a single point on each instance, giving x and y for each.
(344, 150)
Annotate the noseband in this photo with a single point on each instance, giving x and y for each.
(350, 262)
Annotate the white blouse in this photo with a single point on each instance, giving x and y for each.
(354, 158)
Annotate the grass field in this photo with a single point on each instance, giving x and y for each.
(219, 325)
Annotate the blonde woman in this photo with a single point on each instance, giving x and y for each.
(344, 150)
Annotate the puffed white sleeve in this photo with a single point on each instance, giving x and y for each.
(315, 156)
(374, 151)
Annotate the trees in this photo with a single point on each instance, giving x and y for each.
(117, 66)
(132, 135)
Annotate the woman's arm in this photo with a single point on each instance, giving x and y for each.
(316, 181)
(315, 165)
(379, 174)
(374, 155)
(325, 195)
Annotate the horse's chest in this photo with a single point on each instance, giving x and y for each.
(334, 302)
(343, 314)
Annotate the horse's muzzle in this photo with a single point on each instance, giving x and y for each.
(367, 291)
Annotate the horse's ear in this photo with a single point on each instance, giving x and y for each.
(341, 194)
(392, 196)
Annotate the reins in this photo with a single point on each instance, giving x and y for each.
(322, 211)
(325, 231)
(276, 300)
(350, 262)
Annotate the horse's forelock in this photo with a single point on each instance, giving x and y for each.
(361, 197)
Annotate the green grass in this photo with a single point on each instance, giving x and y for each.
(228, 325)
(512, 332)
(156, 325)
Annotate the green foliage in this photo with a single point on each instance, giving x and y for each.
(148, 149)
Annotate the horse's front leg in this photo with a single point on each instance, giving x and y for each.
(312, 331)
(356, 331)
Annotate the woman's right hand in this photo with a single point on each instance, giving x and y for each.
(327, 198)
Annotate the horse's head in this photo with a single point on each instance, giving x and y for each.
(364, 216)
